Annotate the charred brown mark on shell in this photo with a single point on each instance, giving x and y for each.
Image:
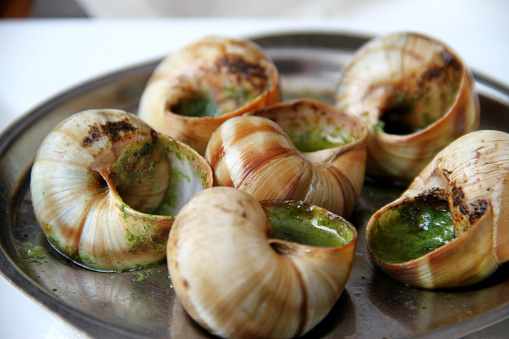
(434, 192)
(443, 73)
(450, 60)
(473, 212)
(154, 135)
(463, 208)
(446, 173)
(479, 209)
(431, 194)
(149, 147)
(112, 130)
(235, 64)
(94, 134)
(457, 197)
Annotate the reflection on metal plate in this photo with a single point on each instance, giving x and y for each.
(143, 304)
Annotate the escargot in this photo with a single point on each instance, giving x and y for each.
(449, 228)
(248, 269)
(195, 89)
(105, 188)
(415, 94)
(296, 150)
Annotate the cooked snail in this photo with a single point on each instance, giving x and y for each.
(449, 228)
(299, 150)
(105, 188)
(245, 269)
(416, 96)
(194, 90)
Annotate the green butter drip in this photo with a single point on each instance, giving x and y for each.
(32, 253)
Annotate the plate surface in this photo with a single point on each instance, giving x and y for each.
(142, 304)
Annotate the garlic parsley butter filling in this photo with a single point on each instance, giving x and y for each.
(297, 222)
(412, 230)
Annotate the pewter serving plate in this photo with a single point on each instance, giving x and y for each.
(143, 304)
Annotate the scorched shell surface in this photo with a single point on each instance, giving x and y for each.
(105, 188)
(198, 87)
(237, 279)
(416, 96)
(470, 179)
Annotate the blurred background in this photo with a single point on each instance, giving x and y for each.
(187, 8)
(41, 9)
(430, 10)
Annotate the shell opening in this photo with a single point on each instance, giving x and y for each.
(312, 125)
(307, 225)
(423, 96)
(229, 84)
(411, 230)
(400, 116)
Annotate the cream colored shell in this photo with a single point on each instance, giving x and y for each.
(237, 282)
(255, 154)
(98, 180)
(427, 82)
(211, 66)
(472, 175)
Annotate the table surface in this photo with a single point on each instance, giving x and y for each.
(41, 58)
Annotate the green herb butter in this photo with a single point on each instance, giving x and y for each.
(198, 107)
(317, 139)
(298, 223)
(411, 231)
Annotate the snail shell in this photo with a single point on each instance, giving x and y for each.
(220, 77)
(96, 180)
(238, 281)
(416, 96)
(257, 153)
(470, 176)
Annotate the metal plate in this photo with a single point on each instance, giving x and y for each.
(142, 304)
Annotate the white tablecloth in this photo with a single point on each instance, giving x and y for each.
(41, 58)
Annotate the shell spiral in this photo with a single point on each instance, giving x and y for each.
(96, 180)
(257, 153)
(238, 282)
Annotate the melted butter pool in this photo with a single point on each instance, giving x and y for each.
(305, 225)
